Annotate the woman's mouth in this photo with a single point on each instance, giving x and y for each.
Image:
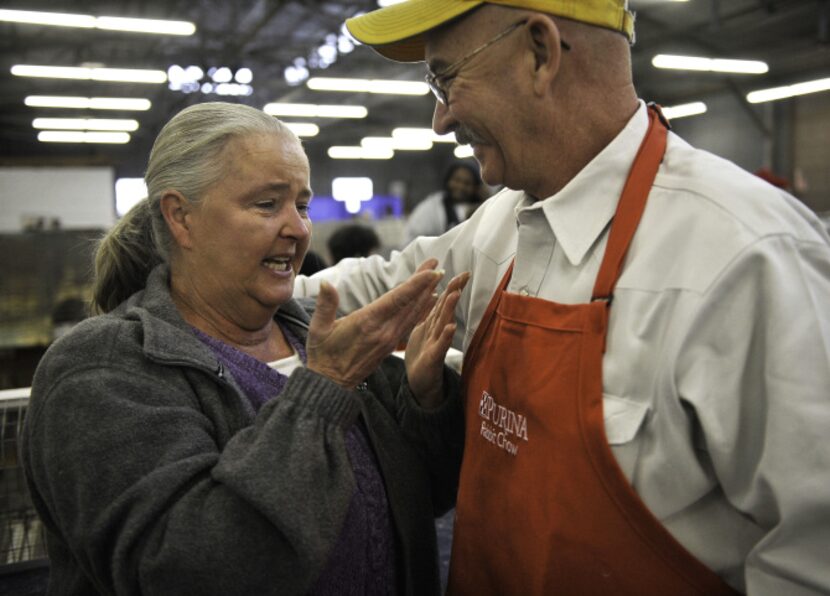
(278, 264)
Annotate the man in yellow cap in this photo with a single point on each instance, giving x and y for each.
(646, 331)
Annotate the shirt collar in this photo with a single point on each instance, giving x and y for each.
(579, 212)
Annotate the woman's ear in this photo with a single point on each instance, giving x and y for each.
(545, 46)
(177, 212)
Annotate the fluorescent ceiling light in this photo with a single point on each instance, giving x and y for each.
(88, 103)
(775, 93)
(57, 19)
(409, 132)
(344, 152)
(413, 138)
(447, 138)
(65, 136)
(352, 192)
(159, 26)
(303, 129)
(709, 64)
(684, 110)
(85, 124)
(308, 110)
(463, 151)
(398, 143)
(379, 86)
(123, 75)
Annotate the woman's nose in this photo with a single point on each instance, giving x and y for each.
(296, 226)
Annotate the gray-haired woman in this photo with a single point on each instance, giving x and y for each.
(205, 436)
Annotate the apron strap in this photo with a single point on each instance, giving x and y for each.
(632, 203)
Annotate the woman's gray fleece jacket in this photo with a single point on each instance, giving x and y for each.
(153, 475)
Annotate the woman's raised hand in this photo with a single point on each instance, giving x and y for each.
(428, 344)
(349, 349)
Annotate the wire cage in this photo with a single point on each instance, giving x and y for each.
(22, 536)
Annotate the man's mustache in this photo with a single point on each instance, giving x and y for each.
(464, 136)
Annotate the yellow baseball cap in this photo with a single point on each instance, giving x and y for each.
(397, 31)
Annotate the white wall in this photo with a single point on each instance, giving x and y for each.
(79, 197)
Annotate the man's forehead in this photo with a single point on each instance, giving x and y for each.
(441, 44)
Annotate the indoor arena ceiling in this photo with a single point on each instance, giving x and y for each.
(269, 36)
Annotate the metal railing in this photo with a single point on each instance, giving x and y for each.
(22, 536)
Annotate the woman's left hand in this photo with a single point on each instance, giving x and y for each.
(428, 344)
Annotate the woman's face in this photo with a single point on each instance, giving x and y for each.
(461, 186)
(252, 230)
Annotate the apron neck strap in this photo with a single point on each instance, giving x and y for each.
(632, 203)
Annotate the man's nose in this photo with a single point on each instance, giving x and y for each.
(443, 122)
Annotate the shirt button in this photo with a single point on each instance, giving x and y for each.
(524, 292)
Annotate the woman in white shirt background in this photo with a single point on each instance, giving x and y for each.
(461, 193)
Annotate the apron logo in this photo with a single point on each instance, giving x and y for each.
(499, 424)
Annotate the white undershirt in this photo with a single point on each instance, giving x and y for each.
(287, 365)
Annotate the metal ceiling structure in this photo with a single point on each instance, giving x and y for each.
(267, 36)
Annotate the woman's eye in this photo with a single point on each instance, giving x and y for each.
(266, 204)
(304, 208)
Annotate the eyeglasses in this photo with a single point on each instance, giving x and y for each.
(440, 82)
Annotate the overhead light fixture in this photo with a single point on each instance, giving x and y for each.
(709, 64)
(85, 124)
(463, 151)
(121, 75)
(352, 192)
(422, 136)
(88, 103)
(158, 26)
(684, 110)
(447, 138)
(308, 110)
(398, 144)
(303, 129)
(378, 86)
(348, 152)
(66, 136)
(57, 19)
(786, 91)
(428, 133)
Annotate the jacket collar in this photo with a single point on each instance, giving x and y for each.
(169, 338)
(580, 212)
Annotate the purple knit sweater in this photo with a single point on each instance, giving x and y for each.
(362, 561)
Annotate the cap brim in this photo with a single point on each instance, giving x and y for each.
(397, 31)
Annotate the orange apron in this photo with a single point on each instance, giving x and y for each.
(543, 507)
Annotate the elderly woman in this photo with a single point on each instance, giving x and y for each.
(205, 436)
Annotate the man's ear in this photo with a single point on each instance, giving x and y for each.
(177, 211)
(545, 45)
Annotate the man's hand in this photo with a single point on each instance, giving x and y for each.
(349, 349)
(428, 345)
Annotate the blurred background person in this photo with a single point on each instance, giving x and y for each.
(312, 263)
(351, 241)
(460, 195)
(206, 435)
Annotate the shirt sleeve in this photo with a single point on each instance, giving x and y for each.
(149, 498)
(755, 367)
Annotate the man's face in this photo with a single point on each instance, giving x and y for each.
(481, 98)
